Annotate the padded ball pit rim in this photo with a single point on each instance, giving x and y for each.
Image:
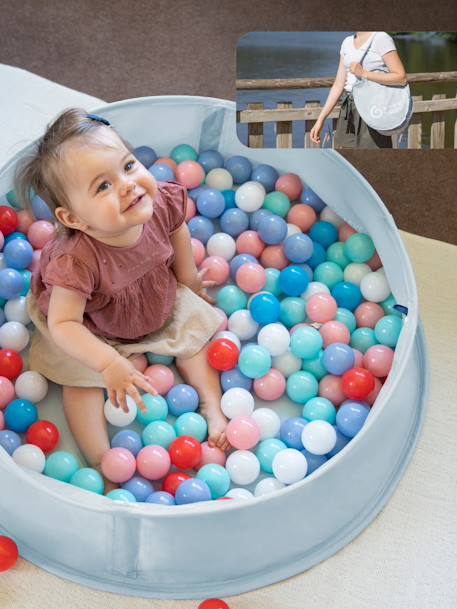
(220, 114)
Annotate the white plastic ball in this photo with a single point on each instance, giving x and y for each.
(237, 402)
(31, 385)
(287, 363)
(16, 310)
(242, 324)
(328, 215)
(292, 229)
(116, 416)
(240, 493)
(219, 178)
(355, 272)
(267, 486)
(14, 335)
(315, 287)
(318, 437)
(30, 457)
(289, 465)
(375, 287)
(243, 467)
(250, 196)
(268, 421)
(221, 244)
(275, 338)
(229, 336)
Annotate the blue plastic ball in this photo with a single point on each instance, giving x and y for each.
(341, 441)
(201, 228)
(298, 247)
(162, 172)
(191, 424)
(160, 433)
(324, 233)
(146, 155)
(239, 167)
(89, 479)
(156, 409)
(347, 295)
(238, 261)
(267, 450)
(182, 398)
(161, 498)
(20, 414)
(338, 358)
(139, 487)
(257, 216)
(122, 495)
(210, 159)
(291, 430)
(254, 361)
(11, 283)
(293, 280)
(318, 256)
(235, 378)
(216, 477)
(265, 175)
(192, 491)
(195, 192)
(9, 440)
(314, 461)
(264, 308)
(234, 221)
(229, 197)
(61, 465)
(309, 197)
(211, 203)
(41, 209)
(272, 229)
(14, 236)
(351, 417)
(129, 439)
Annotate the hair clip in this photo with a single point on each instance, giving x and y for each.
(96, 117)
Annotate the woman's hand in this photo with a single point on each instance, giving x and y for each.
(120, 377)
(357, 69)
(314, 134)
(199, 285)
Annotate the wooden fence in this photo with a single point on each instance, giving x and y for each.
(284, 114)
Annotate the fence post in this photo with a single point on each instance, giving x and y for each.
(437, 130)
(309, 124)
(255, 130)
(284, 129)
(415, 127)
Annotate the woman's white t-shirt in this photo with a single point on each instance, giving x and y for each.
(382, 44)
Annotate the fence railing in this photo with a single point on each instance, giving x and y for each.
(284, 115)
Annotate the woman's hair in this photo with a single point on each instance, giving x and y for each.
(41, 170)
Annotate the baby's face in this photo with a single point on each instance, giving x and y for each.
(102, 183)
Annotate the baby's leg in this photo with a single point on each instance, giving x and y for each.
(83, 408)
(197, 372)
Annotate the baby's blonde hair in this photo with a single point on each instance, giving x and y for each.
(41, 170)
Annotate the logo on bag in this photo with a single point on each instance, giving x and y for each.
(377, 111)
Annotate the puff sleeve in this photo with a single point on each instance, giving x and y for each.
(383, 43)
(176, 199)
(69, 272)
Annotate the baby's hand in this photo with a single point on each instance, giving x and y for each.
(120, 377)
(199, 286)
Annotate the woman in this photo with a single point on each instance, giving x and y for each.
(351, 130)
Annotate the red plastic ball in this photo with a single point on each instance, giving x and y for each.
(358, 383)
(11, 363)
(223, 354)
(185, 452)
(8, 553)
(213, 603)
(173, 481)
(8, 220)
(43, 434)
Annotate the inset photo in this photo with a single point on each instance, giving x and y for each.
(347, 90)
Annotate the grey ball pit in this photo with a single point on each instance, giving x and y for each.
(174, 552)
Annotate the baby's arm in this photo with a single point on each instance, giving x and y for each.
(184, 265)
(65, 317)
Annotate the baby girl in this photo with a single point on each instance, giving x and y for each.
(117, 281)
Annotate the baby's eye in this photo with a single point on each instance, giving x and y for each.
(100, 187)
(132, 162)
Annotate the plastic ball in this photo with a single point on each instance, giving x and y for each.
(275, 338)
(321, 307)
(191, 424)
(227, 335)
(192, 491)
(314, 461)
(30, 456)
(331, 387)
(266, 175)
(272, 228)
(267, 486)
(358, 383)
(61, 465)
(239, 167)
(268, 422)
(20, 415)
(278, 203)
(249, 242)
(347, 295)
(319, 437)
(201, 228)
(153, 462)
(359, 248)
(182, 398)
(230, 299)
(190, 174)
(183, 152)
(146, 155)
(116, 416)
(298, 248)
(374, 287)
(264, 308)
(338, 358)
(173, 481)
(161, 377)
(310, 198)
(43, 434)
(243, 467)
(2, 420)
(9, 440)
(243, 432)
(355, 272)
(237, 402)
(291, 430)
(271, 386)
(334, 332)
(254, 361)
(88, 479)
(235, 378)
(7, 391)
(250, 196)
(267, 450)
(161, 498)
(347, 318)
(118, 464)
(9, 555)
(210, 203)
(14, 335)
(351, 417)
(242, 325)
(371, 398)
(121, 495)
(216, 477)
(162, 172)
(139, 487)
(387, 330)
(31, 385)
(289, 466)
(221, 244)
(223, 354)
(212, 455)
(287, 363)
(129, 439)
(251, 277)
(290, 184)
(335, 253)
(302, 216)
(368, 314)
(362, 339)
(156, 409)
(41, 209)
(319, 408)
(219, 178)
(210, 159)
(378, 360)
(240, 494)
(324, 233)
(185, 452)
(18, 254)
(198, 251)
(293, 280)
(306, 342)
(272, 283)
(11, 283)
(159, 433)
(273, 256)
(301, 386)
(16, 310)
(237, 261)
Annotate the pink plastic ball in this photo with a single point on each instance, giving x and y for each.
(140, 362)
(2, 420)
(212, 455)
(368, 314)
(7, 392)
(302, 216)
(2, 240)
(24, 220)
(224, 320)
(321, 307)
(371, 397)
(161, 377)
(153, 462)
(35, 264)
(118, 464)
(375, 262)
(358, 361)
(378, 360)
(198, 250)
(190, 174)
(218, 269)
(251, 277)
(191, 209)
(243, 432)
(271, 386)
(331, 387)
(40, 232)
(295, 328)
(290, 184)
(166, 160)
(249, 242)
(273, 256)
(334, 332)
(345, 231)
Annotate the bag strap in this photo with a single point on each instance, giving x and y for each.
(367, 49)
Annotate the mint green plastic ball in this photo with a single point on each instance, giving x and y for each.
(89, 479)
(12, 199)
(216, 477)
(359, 247)
(191, 424)
(27, 276)
(157, 409)
(183, 152)
(272, 283)
(301, 386)
(387, 330)
(122, 495)
(153, 358)
(315, 366)
(292, 311)
(321, 409)
(346, 317)
(363, 338)
(335, 253)
(329, 273)
(388, 306)
(254, 361)
(160, 433)
(277, 202)
(230, 299)
(61, 465)
(306, 342)
(266, 451)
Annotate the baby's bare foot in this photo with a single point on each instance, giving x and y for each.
(216, 426)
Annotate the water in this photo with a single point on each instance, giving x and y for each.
(314, 54)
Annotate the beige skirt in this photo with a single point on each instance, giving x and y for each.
(192, 323)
